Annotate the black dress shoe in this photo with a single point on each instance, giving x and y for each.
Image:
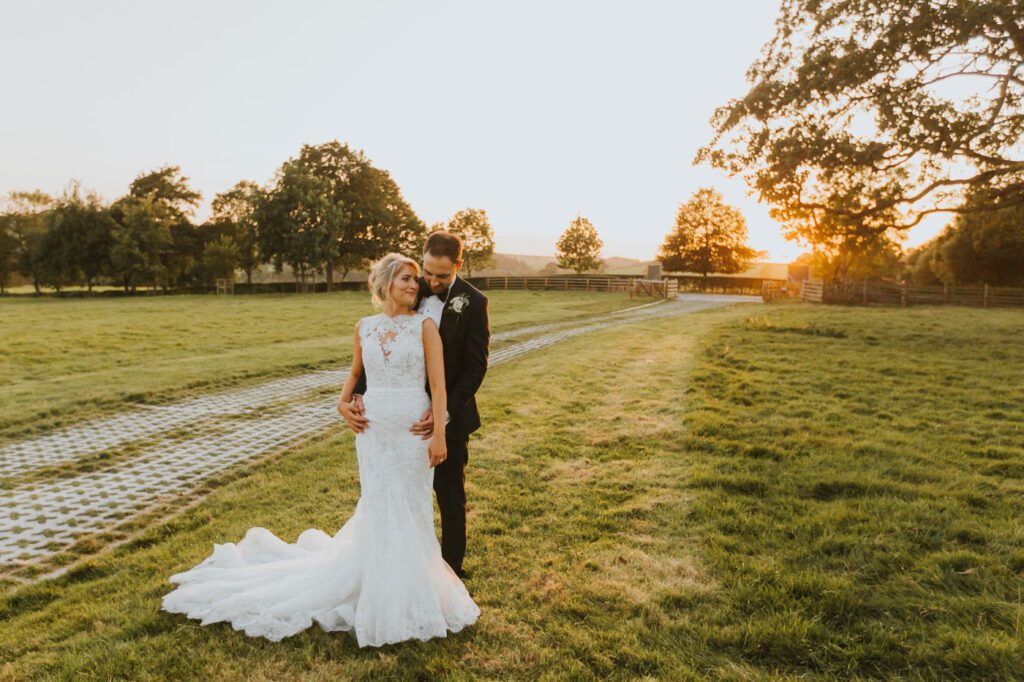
(463, 574)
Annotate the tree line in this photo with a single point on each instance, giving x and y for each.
(326, 211)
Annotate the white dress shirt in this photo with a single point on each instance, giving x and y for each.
(433, 307)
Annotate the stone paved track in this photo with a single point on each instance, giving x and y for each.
(41, 518)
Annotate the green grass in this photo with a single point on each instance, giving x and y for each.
(746, 493)
(858, 476)
(64, 360)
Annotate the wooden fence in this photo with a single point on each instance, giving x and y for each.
(595, 283)
(723, 284)
(895, 293)
(772, 289)
(621, 283)
(813, 292)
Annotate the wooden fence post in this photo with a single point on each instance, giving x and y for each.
(903, 294)
(864, 296)
(945, 293)
(985, 300)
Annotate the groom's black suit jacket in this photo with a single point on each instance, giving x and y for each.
(466, 338)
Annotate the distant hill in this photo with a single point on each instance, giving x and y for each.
(617, 263)
(509, 265)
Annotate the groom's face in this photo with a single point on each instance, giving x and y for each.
(439, 271)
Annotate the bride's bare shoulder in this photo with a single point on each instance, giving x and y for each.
(362, 321)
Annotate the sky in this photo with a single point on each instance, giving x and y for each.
(532, 111)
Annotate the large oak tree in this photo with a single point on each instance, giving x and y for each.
(331, 208)
(865, 116)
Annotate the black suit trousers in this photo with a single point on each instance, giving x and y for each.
(450, 487)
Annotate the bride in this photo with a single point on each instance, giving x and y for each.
(381, 576)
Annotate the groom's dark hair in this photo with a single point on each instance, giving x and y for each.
(442, 244)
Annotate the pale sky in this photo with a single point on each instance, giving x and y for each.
(533, 111)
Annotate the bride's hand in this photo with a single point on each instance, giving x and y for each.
(438, 451)
(354, 414)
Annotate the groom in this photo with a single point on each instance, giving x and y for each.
(460, 311)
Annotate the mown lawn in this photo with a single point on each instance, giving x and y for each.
(857, 481)
(744, 493)
(63, 360)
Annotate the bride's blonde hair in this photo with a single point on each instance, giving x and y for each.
(383, 274)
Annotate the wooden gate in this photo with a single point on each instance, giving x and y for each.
(661, 288)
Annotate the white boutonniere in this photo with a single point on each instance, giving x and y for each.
(459, 303)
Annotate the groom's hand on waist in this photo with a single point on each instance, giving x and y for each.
(354, 414)
(425, 426)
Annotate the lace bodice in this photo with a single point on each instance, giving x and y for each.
(393, 351)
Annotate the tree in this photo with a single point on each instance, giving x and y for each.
(237, 209)
(329, 208)
(708, 236)
(849, 258)
(349, 261)
(864, 116)
(168, 187)
(922, 266)
(987, 248)
(976, 248)
(8, 251)
(26, 218)
(141, 240)
(181, 261)
(473, 227)
(175, 202)
(579, 247)
(57, 249)
(81, 235)
(220, 258)
(300, 223)
(380, 219)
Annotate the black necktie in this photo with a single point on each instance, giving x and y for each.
(443, 295)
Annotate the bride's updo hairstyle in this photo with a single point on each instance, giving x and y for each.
(383, 274)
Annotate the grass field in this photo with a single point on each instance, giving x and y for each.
(753, 492)
(63, 360)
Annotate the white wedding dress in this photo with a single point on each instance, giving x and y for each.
(381, 575)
